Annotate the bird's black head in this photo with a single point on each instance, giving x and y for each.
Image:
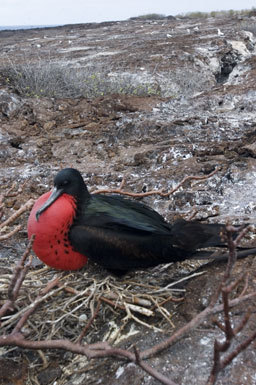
(68, 181)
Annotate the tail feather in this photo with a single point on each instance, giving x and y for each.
(196, 235)
(218, 256)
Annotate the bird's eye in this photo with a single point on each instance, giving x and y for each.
(65, 183)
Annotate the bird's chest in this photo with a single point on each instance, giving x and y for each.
(51, 242)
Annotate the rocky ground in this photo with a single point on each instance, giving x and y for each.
(198, 114)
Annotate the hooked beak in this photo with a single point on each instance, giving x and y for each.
(56, 193)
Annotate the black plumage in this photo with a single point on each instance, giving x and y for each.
(122, 234)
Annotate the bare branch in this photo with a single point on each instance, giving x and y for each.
(196, 321)
(17, 279)
(155, 192)
(226, 289)
(154, 373)
(87, 326)
(27, 206)
(20, 273)
(10, 234)
(43, 295)
(242, 346)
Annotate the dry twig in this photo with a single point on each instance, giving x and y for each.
(159, 376)
(155, 192)
(17, 280)
(230, 332)
(27, 206)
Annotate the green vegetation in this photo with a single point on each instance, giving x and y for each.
(198, 14)
(149, 16)
(227, 13)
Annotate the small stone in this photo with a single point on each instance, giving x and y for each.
(82, 318)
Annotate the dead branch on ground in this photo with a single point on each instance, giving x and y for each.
(230, 332)
(26, 207)
(17, 280)
(155, 192)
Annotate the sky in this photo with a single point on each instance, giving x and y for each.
(57, 12)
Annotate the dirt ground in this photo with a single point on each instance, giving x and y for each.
(203, 117)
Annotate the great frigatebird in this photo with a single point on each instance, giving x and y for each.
(72, 225)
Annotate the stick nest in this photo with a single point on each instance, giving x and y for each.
(77, 296)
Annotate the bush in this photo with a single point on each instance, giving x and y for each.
(149, 16)
(249, 26)
(37, 80)
(56, 80)
(52, 79)
(224, 13)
